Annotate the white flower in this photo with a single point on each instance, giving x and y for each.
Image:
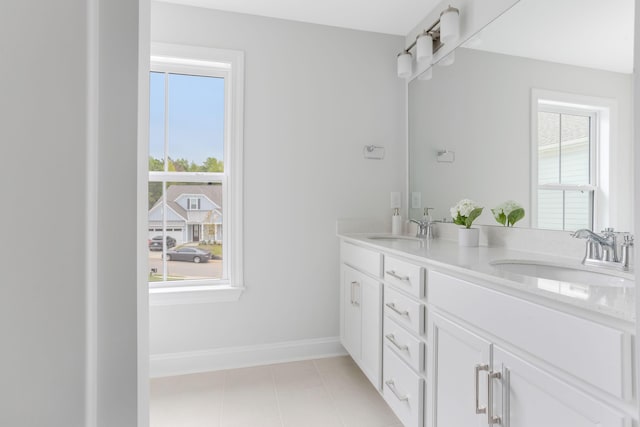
(464, 207)
(508, 207)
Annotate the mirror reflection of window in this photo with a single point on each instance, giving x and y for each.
(567, 143)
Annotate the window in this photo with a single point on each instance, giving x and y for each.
(195, 161)
(568, 147)
(194, 203)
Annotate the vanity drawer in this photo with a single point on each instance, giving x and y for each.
(404, 275)
(402, 389)
(595, 353)
(360, 258)
(404, 310)
(408, 347)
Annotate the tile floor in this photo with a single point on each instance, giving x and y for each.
(315, 393)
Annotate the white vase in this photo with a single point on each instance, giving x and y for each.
(468, 237)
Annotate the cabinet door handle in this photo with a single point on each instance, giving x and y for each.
(353, 299)
(491, 419)
(392, 306)
(476, 381)
(392, 386)
(351, 293)
(395, 275)
(393, 341)
(356, 299)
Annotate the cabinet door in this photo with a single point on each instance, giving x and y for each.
(351, 321)
(361, 322)
(458, 361)
(369, 296)
(527, 396)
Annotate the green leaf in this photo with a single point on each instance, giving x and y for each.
(515, 216)
(499, 215)
(459, 220)
(472, 217)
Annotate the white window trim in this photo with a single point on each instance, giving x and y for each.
(607, 116)
(212, 62)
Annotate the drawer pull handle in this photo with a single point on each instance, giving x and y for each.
(392, 306)
(395, 275)
(393, 341)
(476, 381)
(491, 419)
(392, 386)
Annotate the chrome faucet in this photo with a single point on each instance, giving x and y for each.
(602, 249)
(425, 225)
(425, 229)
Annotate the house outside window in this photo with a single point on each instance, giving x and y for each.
(195, 161)
(569, 152)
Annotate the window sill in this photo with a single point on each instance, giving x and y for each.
(194, 295)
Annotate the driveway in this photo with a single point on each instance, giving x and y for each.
(186, 270)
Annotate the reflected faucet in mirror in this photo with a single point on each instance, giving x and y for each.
(602, 249)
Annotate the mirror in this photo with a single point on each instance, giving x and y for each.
(536, 108)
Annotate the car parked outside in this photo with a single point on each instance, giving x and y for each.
(155, 244)
(188, 254)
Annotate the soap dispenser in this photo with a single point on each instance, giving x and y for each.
(396, 222)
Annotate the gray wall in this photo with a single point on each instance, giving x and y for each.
(480, 108)
(63, 364)
(117, 228)
(42, 306)
(314, 96)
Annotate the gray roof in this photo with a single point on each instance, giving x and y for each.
(178, 209)
(174, 191)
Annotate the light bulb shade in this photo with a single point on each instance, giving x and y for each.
(449, 59)
(427, 75)
(449, 25)
(424, 48)
(405, 63)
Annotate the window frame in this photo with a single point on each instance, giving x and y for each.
(228, 64)
(603, 112)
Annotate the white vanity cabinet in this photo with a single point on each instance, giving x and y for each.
(459, 358)
(448, 346)
(361, 309)
(476, 381)
(403, 339)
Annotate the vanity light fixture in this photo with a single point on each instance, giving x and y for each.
(424, 48)
(405, 64)
(445, 30)
(449, 25)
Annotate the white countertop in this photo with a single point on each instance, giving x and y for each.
(614, 301)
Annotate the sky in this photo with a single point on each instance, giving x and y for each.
(195, 117)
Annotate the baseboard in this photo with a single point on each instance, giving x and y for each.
(169, 364)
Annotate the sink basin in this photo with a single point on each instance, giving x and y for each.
(563, 273)
(393, 238)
